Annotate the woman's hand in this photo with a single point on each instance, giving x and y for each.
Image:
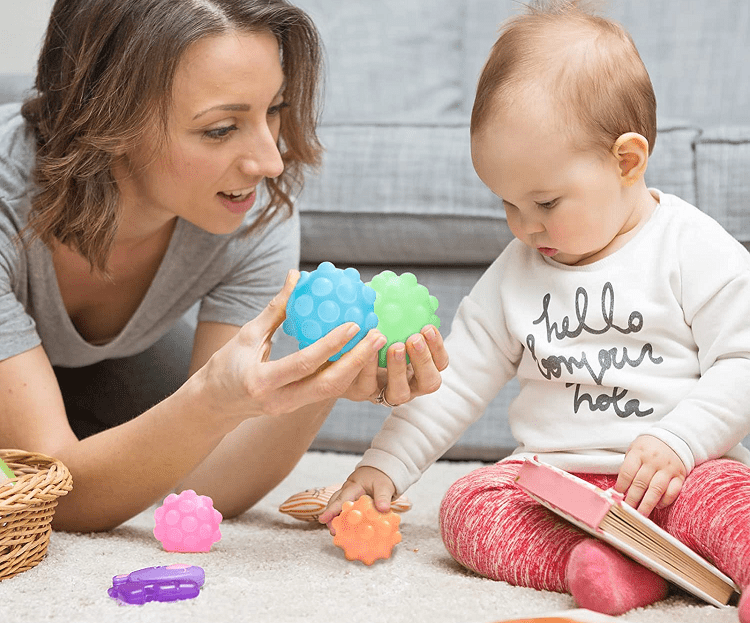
(243, 383)
(651, 475)
(363, 481)
(399, 382)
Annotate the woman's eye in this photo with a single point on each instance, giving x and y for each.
(219, 133)
(275, 110)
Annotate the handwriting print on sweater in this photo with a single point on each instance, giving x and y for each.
(607, 358)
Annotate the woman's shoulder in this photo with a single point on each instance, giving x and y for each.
(17, 152)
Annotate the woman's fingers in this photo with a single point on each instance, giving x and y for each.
(306, 380)
(397, 389)
(367, 380)
(274, 313)
(436, 346)
(306, 361)
(427, 377)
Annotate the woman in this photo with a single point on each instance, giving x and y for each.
(130, 188)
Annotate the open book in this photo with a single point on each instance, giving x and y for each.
(605, 515)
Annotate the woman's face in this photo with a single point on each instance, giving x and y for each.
(221, 138)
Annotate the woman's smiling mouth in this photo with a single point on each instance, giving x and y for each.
(238, 201)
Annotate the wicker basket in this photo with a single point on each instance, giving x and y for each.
(26, 509)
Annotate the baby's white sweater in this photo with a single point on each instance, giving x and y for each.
(653, 339)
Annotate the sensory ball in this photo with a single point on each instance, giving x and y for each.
(187, 522)
(403, 308)
(326, 298)
(364, 533)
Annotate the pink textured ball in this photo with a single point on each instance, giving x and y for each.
(187, 522)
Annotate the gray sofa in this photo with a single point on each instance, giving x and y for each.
(397, 189)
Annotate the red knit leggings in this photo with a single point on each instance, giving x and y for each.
(496, 530)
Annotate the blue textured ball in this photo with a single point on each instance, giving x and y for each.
(326, 298)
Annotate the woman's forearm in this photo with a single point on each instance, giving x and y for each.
(122, 471)
(255, 457)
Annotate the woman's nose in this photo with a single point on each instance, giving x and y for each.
(261, 156)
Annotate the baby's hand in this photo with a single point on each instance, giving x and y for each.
(652, 474)
(363, 480)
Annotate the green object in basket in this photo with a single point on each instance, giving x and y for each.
(7, 471)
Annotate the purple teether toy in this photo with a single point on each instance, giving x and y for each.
(158, 584)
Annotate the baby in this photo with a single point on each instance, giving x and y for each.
(623, 311)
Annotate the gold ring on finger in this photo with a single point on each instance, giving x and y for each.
(382, 400)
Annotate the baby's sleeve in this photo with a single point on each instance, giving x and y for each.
(482, 359)
(714, 417)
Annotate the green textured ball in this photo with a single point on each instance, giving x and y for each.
(403, 306)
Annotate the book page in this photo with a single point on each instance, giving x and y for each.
(621, 525)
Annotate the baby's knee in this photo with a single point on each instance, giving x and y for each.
(475, 494)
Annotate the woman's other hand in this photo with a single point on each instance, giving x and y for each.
(399, 382)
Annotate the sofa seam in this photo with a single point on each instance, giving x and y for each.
(724, 141)
(696, 184)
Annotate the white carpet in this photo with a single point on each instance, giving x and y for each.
(271, 568)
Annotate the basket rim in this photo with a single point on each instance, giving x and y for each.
(42, 479)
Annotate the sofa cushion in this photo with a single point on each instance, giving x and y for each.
(390, 60)
(671, 167)
(409, 194)
(404, 193)
(696, 52)
(723, 164)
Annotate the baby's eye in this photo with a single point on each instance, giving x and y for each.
(548, 205)
(220, 133)
(275, 110)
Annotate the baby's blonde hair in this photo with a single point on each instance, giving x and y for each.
(586, 66)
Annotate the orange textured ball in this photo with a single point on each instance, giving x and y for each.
(364, 533)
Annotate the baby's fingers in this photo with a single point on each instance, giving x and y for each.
(673, 490)
(348, 493)
(640, 485)
(628, 470)
(382, 497)
(654, 494)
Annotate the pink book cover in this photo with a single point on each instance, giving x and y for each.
(567, 493)
(586, 505)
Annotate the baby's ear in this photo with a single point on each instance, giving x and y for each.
(631, 151)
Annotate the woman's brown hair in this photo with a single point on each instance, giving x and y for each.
(104, 78)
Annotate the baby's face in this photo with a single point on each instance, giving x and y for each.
(567, 204)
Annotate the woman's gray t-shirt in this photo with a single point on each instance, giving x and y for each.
(233, 276)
